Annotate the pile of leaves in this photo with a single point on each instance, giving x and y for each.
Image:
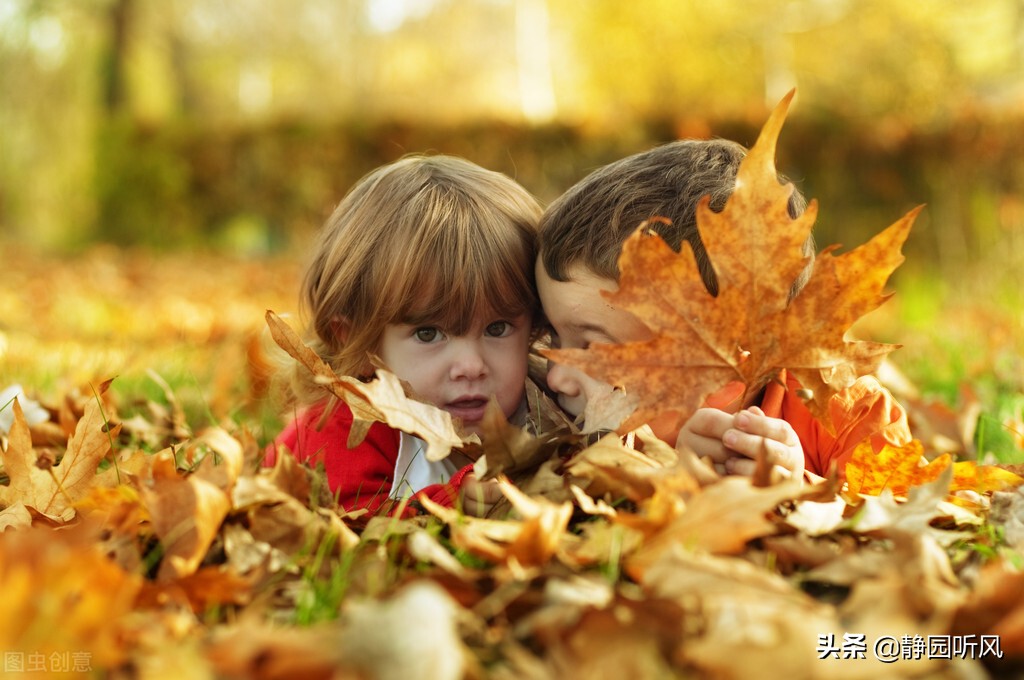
(135, 547)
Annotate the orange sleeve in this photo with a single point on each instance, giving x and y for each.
(865, 410)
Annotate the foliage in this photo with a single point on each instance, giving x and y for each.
(750, 329)
(620, 557)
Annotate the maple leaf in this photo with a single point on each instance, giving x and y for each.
(55, 490)
(898, 468)
(380, 400)
(751, 330)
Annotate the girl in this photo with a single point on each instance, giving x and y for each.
(427, 264)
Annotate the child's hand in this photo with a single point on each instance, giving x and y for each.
(479, 497)
(734, 441)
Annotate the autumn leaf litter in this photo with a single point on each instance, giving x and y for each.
(620, 557)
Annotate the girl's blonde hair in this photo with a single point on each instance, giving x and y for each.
(424, 240)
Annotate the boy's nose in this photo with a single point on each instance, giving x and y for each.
(562, 379)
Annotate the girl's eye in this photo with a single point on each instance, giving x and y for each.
(427, 334)
(499, 329)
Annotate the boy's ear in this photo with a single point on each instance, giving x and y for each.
(340, 327)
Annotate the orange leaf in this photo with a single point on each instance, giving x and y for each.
(896, 468)
(751, 330)
(900, 468)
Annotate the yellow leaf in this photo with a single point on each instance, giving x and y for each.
(896, 468)
(969, 476)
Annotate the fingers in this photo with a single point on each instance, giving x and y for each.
(703, 432)
(479, 497)
(753, 421)
(754, 434)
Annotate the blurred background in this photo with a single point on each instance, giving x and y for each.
(163, 163)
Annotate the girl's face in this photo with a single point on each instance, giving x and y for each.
(460, 373)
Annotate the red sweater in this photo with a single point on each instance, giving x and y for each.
(865, 410)
(365, 475)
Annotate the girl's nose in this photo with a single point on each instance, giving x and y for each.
(468, 361)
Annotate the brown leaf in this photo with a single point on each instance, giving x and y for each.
(507, 449)
(994, 607)
(205, 588)
(617, 469)
(265, 652)
(186, 512)
(54, 491)
(61, 594)
(492, 539)
(542, 528)
(721, 520)
(751, 330)
(741, 619)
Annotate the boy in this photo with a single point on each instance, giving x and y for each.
(580, 239)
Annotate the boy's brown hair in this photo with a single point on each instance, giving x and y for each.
(588, 224)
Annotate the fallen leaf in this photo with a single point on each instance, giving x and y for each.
(506, 449)
(750, 330)
(186, 512)
(383, 399)
(542, 528)
(53, 492)
(720, 520)
(817, 519)
(741, 619)
(429, 648)
(899, 468)
(61, 594)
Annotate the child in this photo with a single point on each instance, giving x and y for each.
(580, 239)
(426, 264)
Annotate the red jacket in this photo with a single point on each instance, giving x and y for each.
(865, 410)
(365, 475)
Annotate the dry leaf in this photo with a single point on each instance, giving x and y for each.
(53, 492)
(751, 330)
(61, 594)
(900, 468)
(186, 512)
(380, 400)
(721, 520)
(507, 449)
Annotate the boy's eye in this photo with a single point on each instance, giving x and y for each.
(499, 329)
(427, 334)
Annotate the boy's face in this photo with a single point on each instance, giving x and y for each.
(460, 373)
(579, 315)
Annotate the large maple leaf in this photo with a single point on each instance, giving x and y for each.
(752, 329)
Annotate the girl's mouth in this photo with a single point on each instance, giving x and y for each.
(469, 409)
